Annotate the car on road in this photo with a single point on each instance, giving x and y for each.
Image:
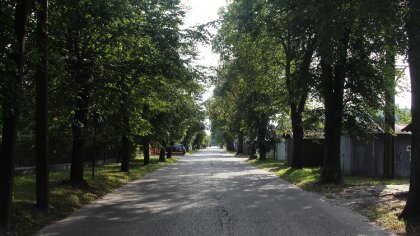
(179, 148)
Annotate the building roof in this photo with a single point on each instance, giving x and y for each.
(408, 128)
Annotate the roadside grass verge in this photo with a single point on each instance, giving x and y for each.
(385, 213)
(190, 152)
(308, 178)
(65, 198)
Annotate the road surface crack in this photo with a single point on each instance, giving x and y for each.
(224, 219)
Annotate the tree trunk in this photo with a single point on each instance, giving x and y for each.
(146, 153)
(333, 66)
(411, 213)
(389, 112)
(7, 164)
(240, 143)
(169, 150)
(230, 147)
(187, 147)
(79, 132)
(263, 150)
(299, 94)
(262, 133)
(252, 150)
(41, 126)
(125, 142)
(11, 114)
(297, 128)
(162, 154)
(331, 170)
(333, 99)
(296, 113)
(125, 153)
(81, 70)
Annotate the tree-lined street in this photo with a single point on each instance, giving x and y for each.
(315, 81)
(212, 193)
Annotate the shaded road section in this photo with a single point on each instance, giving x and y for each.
(212, 193)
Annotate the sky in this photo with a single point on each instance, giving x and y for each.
(403, 99)
(203, 11)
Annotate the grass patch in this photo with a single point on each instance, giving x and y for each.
(190, 152)
(358, 181)
(385, 214)
(308, 178)
(65, 199)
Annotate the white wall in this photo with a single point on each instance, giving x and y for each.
(281, 153)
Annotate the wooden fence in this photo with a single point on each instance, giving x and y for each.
(313, 153)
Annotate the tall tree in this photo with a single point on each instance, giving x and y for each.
(80, 64)
(349, 83)
(411, 213)
(389, 111)
(90, 28)
(10, 109)
(41, 130)
(294, 27)
(333, 78)
(392, 44)
(125, 139)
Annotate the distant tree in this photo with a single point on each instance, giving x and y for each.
(403, 116)
(246, 94)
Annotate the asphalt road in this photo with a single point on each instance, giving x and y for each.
(212, 193)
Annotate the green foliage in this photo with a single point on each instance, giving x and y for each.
(119, 71)
(248, 89)
(274, 59)
(201, 140)
(123, 60)
(403, 116)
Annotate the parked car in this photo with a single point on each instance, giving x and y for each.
(179, 148)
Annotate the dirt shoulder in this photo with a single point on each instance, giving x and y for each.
(380, 203)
